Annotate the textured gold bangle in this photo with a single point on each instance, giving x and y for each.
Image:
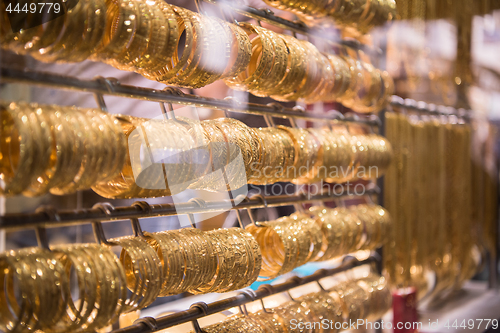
(224, 263)
(69, 38)
(240, 53)
(194, 47)
(157, 38)
(120, 28)
(261, 49)
(214, 60)
(17, 149)
(17, 316)
(296, 69)
(40, 282)
(253, 255)
(172, 263)
(240, 262)
(185, 25)
(205, 36)
(268, 81)
(142, 270)
(323, 307)
(94, 28)
(278, 239)
(207, 257)
(77, 316)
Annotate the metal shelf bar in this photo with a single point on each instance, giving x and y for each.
(169, 95)
(59, 218)
(200, 310)
(429, 108)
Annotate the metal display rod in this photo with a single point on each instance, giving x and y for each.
(200, 310)
(50, 217)
(424, 107)
(110, 86)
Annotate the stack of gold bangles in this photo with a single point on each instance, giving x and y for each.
(63, 149)
(223, 151)
(325, 311)
(160, 264)
(288, 69)
(360, 14)
(147, 36)
(43, 278)
(320, 234)
(57, 149)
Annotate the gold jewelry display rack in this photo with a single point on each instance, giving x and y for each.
(46, 217)
(104, 212)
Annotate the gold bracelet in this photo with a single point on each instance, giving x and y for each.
(240, 53)
(157, 13)
(172, 263)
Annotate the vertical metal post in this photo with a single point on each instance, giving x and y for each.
(380, 181)
(493, 257)
(380, 184)
(380, 201)
(2, 232)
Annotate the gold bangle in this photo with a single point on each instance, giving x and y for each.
(253, 255)
(277, 73)
(172, 263)
(214, 60)
(192, 25)
(279, 248)
(296, 69)
(93, 22)
(309, 76)
(69, 38)
(313, 232)
(205, 37)
(74, 256)
(353, 299)
(225, 262)
(178, 24)
(16, 145)
(17, 316)
(157, 39)
(240, 53)
(239, 261)
(261, 48)
(105, 307)
(142, 270)
(120, 28)
(40, 281)
(191, 261)
(74, 150)
(208, 258)
(334, 230)
(323, 307)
